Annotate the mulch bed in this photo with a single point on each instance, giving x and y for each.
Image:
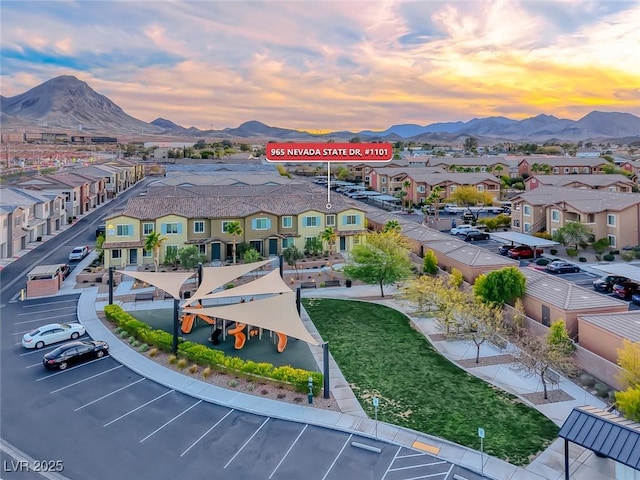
(554, 396)
(486, 361)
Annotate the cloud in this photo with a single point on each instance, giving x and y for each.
(331, 65)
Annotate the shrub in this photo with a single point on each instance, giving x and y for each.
(135, 344)
(153, 352)
(542, 261)
(206, 373)
(173, 359)
(572, 252)
(627, 256)
(614, 252)
(553, 251)
(587, 380)
(582, 259)
(117, 331)
(251, 387)
(601, 389)
(193, 368)
(322, 284)
(228, 286)
(233, 383)
(143, 347)
(182, 363)
(608, 257)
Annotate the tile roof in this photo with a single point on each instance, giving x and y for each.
(567, 161)
(595, 180)
(583, 200)
(472, 161)
(623, 324)
(564, 294)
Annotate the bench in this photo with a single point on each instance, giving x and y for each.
(308, 285)
(332, 283)
(144, 296)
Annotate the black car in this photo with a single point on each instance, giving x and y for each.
(503, 249)
(560, 266)
(605, 284)
(474, 235)
(75, 352)
(101, 230)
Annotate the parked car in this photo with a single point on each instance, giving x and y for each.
(606, 283)
(635, 298)
(52, 333)
(560, 266)
(626, 289)
(66, 270)
(75, 352)
(461, 229)
(101, 230)
(523, 251)
(79, 253)
(504, 249)
(475, 235)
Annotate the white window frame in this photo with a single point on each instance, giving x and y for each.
(612, 189)
(611, 220)
(612, 240)
(330, 220)
(526, 227)
(167, 248)
(287, 242)
(144, 228)
(383, 189)
(420, 189)
(116, 254)
(384, 180)
(480, 188)
(172, 224)
(566, 169)
(260, 221)
(452, 188)
(224, 223)
(195, 226)
(147, 253)
(526, 210)
(287, 221)
(555, 216)
(307, 221)
(129, 228)
(351, 220)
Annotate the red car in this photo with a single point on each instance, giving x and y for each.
(625, 289)
(523, 251)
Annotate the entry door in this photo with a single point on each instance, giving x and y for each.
(215, 251)
(546, 316)
(343, 244)
(273, 246)
(133, 256)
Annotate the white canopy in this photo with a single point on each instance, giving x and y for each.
(170, 282)
(214, 277)
(277, 313)
(270, 283)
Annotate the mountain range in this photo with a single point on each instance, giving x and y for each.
(67, 103)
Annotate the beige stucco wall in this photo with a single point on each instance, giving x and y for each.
(599, 341)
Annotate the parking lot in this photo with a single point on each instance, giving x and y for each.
(103, 420)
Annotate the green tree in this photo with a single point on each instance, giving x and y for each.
(291, 255)
(478, 322)
(406, 185)
(99, 250)
(469, 196)
(235, 230)
(434, 199)
(383, 259)
(629, 362)
(343, 173)
(628, 402)
(430, 263)
(314, 246)
(573, 233)
(500, 286)
(392, 226)
(153, 243)
(329, 235)
(190, 257)
(558, 337)
(471, 145)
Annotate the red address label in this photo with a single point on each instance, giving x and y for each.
(328, 152)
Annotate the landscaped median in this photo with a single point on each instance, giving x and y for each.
(381, 354)
(208, 357)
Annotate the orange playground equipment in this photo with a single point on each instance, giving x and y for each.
(189, 319)
(282, 341)
(237, 332)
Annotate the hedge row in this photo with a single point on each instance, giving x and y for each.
(205, 356)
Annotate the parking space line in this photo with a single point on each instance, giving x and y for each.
(246, 443)
(109, 394)
(412, 455)
(74, 300)
(417, 465)
(391, 463)
(174, 418)
(85, 379)
(430, 475)
(337, 456)
(138, 408)
(33, 365)
(72, 314)
(449, 472)
(287, 452)
(69, 369)
(73, 307)
(205, 433)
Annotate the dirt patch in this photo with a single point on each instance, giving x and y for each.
(486, 361)
(554, 396)
(259, 387)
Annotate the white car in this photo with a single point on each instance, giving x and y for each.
(461, 229)
(79, 253)
(52, 333)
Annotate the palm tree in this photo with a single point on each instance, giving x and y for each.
(330, 236)
(152, 243)
(405, 186)
(392, 226)
(234, 229)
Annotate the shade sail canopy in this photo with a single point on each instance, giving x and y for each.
(270, 283)
(214, 277)
(170, 282)
(277, 313)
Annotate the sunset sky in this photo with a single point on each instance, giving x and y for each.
(332, 65)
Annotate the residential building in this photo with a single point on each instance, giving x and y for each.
(74, 189)
(272, 218)
(609, 182)
(496, 165)
(560, 165)
(611, 215)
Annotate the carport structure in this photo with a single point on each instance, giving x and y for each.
(524, 239)
(607, 435)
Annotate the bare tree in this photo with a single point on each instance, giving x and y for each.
(478, 322)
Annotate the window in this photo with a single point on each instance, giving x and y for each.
(356, 240)
(202, 249)
(527, 227)
(566, 169)
(585, 170)
(452, 188)
(311, 222)
(554, 231)
(287, 222)
(384, 189)
(516, 223)
(481, 188)
(384, 179)
(367, 179)
(351, 220)
(612, 189)
(116, 254)
(147, 253)
(260, 224)
(286, 243)
(575, 169)
(556, 170)
(612, 240)
(172, 228)
(124, 230)
(224, 225)
(198, 226)
(555, 215)
(611, 220)
(330, 220)
(171, 249)
(421, 189)
(147, 228)
(526, 210)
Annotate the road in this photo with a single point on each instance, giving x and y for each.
(101, 420)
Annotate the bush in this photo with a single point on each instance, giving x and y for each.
(173, 359)
(233, 383)
(135, 344)
(572, 252)
(601, 389)
(582, 259)
(144, 347)
(193, 368)
(182, 363)
(542, 261)
(206, 373)
(153, 352)
(131, 339)
(627, 256)
(587, 380)
(608, 257)
(553, 251)
(228, 286)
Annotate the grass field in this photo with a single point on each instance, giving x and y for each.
(380, 353)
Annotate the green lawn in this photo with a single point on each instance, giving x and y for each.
(379, 352)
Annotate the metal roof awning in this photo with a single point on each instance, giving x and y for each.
(603, 432)
(623, 269)
(524, 239)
